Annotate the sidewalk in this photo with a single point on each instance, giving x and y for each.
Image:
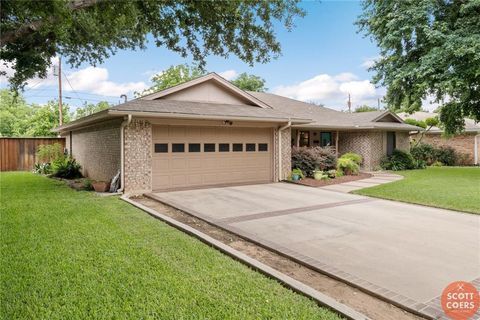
(377, 179)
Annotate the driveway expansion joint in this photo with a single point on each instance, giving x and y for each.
(270, 214)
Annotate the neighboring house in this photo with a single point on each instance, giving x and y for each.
(208, 132)
(467, 143)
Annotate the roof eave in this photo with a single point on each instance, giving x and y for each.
(98, 116)
(207, 117)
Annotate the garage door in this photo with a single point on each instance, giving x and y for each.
(189, 156)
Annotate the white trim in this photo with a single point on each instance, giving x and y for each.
(122, 152)
(476, 142)
(400, 120)
(209, 77)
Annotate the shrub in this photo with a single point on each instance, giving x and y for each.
(48, 153)
(332, 173)
(437, 164)
(310, 159)
(87, 184)
(347, 166)
(425, 152)
(419, 164)
(66, 168)
(446, 155)
(42, 168)
(399, 160)
(355, 157)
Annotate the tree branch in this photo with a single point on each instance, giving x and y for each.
(29, 28)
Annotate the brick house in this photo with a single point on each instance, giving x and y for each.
(207, 132)
(466, 144)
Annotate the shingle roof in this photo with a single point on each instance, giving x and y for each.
(176, 107)
(328, 118)
(470, 125)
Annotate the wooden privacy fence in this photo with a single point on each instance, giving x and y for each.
(18, 154)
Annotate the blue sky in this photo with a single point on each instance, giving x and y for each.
(323, 59)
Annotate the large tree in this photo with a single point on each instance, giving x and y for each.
(250, 82)
(183, 72)
(90, 108)
(91, 30)
(428, 48)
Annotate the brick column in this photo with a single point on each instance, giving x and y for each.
(138, 157)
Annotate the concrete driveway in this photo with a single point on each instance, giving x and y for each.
(406, 253)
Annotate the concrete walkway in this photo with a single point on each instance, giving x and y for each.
(405, 253)
(377, 179)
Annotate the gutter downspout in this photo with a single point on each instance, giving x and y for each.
(125, 123)
(288, 125)
(476, 148)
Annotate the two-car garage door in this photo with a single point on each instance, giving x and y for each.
(194, 156)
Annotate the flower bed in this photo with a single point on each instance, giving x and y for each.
(320, 183)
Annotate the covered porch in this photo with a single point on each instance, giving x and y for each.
(372, 145)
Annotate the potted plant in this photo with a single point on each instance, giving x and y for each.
(297, 174)
(100, 186)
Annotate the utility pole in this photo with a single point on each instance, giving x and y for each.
(349, 103)
(60, 108)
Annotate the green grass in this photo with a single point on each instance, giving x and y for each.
(73, 255)
(446, 187)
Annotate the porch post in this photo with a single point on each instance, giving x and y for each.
(297, 143)
(336, 144)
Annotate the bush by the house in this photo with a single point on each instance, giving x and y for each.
(431, 154)
(48, 153)
(399, 160)
(42, 168)
(66, 168)
(347, 166)
(310, 159)
(355, 157)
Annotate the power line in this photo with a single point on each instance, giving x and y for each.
(68, 81)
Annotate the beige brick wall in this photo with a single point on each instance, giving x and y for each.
(138, 157)
(286, 153)
(463, 144)
(97, 149)
(372, 145)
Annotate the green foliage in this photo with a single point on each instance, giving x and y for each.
(332, 173)
(399, 160)
(42, 168)
(45, 118)
(310, 159)
(427, 48)
(90, 31)
(365, 108)
(90, 108)
(298, 172)
(418, 123)
(250, 82)
(47, 153)
(355, 157)
(430, 154)
(14, 114)
(347, 166)
(17, 118)
(87, 184)
(172, 76)
(66, 168)
(432, 122)
(437, 164)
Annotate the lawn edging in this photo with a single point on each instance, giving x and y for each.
(289, 282)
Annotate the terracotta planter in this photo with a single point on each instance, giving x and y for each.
(100, 186)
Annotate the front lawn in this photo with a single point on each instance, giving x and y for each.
(73, 255)
(446, 187)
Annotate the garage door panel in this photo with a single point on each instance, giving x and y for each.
(198, 168)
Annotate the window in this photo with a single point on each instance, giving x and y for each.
(263, 147)
(224, 147)
(194, 147)
(391, 143)
(250, 147)
(304, 138)
(325, 139)
(237, 147)
(209, 147)
(178, 147)
(161, 147)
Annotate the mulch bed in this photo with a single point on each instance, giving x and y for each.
(320, 183)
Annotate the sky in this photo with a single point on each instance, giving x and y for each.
(323, 60)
